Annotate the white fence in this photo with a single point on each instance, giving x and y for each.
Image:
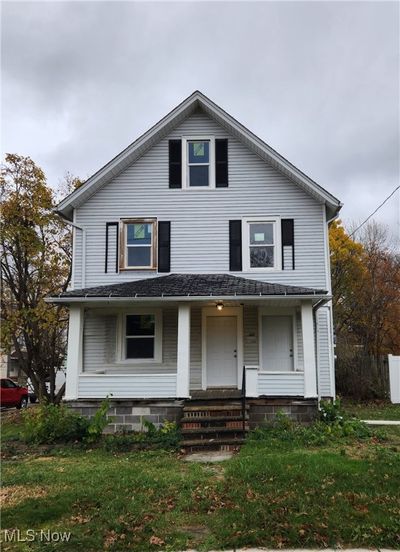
(394, 376)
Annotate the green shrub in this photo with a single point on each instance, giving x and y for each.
(331, 411)
(50, 423)
(98, 422)
(165, 437)
(285, 432)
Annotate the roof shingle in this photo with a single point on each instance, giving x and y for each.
(194, 285)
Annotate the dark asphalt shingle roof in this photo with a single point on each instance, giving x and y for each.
(195, 285)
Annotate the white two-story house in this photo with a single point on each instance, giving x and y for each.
(199, 252)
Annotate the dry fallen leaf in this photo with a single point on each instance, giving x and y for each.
(156, 541)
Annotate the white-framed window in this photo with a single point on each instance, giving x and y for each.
(141, 336)
(198, 162)
(138, 244)
(261, 243)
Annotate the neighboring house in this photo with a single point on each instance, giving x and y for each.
(9, 367)
(199, 250)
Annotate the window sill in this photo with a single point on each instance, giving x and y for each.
(136, 362)
(138, 269)
(266, 269)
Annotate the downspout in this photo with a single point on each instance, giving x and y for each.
(315, 308)
(83, 230)
(331, 329)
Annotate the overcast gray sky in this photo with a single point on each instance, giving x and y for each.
(318, 81)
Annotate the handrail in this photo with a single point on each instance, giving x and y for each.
(244, 399)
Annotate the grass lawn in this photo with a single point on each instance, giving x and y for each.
(273, 493)
(378, 410)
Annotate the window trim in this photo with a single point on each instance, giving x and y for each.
(124, 247)
(185, 162)
(276, 221)
(121, 337)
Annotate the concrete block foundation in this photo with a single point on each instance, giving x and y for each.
(129, 415)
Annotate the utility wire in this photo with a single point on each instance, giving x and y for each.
(376, 210)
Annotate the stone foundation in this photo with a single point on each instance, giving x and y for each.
(130, 414)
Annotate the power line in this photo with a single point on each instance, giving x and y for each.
(376, 210)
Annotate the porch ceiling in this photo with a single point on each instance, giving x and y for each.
(189, 287)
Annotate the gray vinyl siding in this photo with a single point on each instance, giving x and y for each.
(100, 343)
(100, 339)
(124, 386)
(324, 352)
(199, 217)
(288, 257)
(299, 336)
(77, 259)
(195, 348)
(290, 384)
(250, 335)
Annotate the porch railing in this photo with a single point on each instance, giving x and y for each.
(244, 399)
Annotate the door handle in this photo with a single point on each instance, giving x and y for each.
(235, 353)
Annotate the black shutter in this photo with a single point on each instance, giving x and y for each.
(287, 226)
(221, 163)
(164, 246)
(235, 245)
(175, 163)
(108, 225)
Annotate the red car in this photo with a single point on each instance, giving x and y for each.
(12, 394)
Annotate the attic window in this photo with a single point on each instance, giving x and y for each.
(198, 162)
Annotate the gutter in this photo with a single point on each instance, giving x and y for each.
(192, 298)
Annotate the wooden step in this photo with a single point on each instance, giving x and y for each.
(201, 419)
(201, 430)
(213, 407)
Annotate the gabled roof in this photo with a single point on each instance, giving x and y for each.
(195, 101)
(188, 286)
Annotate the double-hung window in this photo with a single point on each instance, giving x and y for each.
(198, 163)
(142, 336)
(138, 244)
(261, 249)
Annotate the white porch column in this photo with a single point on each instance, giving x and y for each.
(310, 367)
(74, 352)
(183, 364)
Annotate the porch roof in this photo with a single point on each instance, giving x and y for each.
(188, 286)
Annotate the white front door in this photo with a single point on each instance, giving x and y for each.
(277, 343)
(221, 347)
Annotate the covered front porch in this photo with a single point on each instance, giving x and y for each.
(162, 344)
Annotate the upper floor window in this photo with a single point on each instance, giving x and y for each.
(138, 244)
(198, 162)
(261, 249)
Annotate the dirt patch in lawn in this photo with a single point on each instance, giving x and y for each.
(196, 533)
(15, 494)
